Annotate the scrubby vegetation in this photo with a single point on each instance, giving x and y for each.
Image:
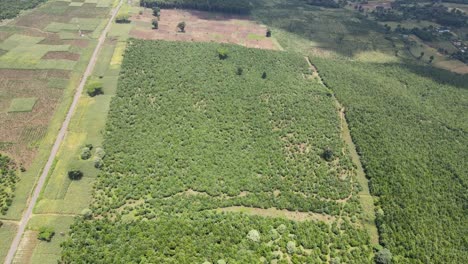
(227, 6)
(46, 233)
(10, 9)
(190, 137)
(94, 88)
(8, 179)
(410, 126)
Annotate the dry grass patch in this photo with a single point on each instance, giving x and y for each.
(203, 27)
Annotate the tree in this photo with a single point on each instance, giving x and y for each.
(239, 71)
(384, 256)
(327, 154)
(122, 19)
(155, 23)
(223, 53)
(421, 55)
(85, 153)
(431, 59)
(75, 174)
(46, 233)
(268, 33)
(94, 88)
(181, 26)
(87, 214)
(264, 75)
(156, 11)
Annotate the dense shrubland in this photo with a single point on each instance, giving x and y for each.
(187, 134)
(211, 237)
(10, 9)
(227, 6)
(410, 127)
(8, 179)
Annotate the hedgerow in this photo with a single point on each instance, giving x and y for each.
(8, 179)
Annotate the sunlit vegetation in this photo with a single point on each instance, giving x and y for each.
(8, 179)
(409, 124)
(10, 9)
(46, 233)
(228, 6)
(192, 135)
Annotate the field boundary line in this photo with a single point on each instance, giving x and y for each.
(61, 135)
(365, 198)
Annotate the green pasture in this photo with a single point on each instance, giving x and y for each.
(22, 104)
(7, 233)
(49, 252)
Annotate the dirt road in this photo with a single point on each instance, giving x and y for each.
(40, 183)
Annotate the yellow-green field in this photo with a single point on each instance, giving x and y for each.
(62, 198)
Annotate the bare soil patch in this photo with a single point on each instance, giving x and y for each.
(61, 55)
(203, 27)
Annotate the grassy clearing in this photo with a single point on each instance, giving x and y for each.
(22, 105)
(7, 233)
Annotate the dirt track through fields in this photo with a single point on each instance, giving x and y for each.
(40, 183)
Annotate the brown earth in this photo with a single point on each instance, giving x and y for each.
(20, 133)
(203, 27)
(61, 55)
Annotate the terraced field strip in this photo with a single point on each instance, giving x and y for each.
(40, 183)
(365, 197)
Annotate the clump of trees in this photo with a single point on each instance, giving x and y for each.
(75, 174)
(8, 180)
(122, 19)
(86, 152)
(94, 88)
(181, 26)
(45, 233)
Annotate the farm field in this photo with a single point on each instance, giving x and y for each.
(203, 27)
(63, 199)
(181, 179)
(41, 63)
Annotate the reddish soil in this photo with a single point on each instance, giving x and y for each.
(203, 27)
(61, 55)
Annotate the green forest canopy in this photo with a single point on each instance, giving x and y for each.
(191, 136)
(410, 126)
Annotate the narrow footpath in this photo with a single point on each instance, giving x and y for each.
(367, 202)
(40, 183)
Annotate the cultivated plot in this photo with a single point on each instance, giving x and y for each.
(203, 27)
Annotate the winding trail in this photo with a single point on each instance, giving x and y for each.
(40, 183)
(366, 199)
